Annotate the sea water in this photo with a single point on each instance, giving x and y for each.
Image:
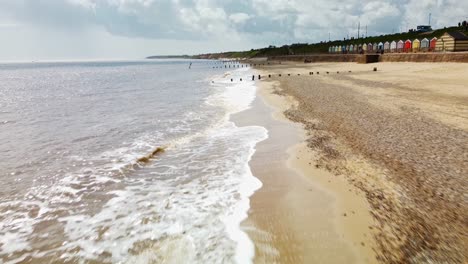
(125, 162)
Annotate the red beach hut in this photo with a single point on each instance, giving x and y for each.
(432, 44)
(408, 45)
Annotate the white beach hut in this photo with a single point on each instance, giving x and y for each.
(387, 46)
(380, 46)
(425, 44)
(393, 46)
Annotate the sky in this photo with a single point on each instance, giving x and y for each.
(133, 29)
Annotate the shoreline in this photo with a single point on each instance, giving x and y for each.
(301, 213)
(398, 136)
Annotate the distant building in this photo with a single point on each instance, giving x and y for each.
(452, 41)
(423, 28)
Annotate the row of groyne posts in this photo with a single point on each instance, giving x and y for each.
(237, 64)
(259, 77)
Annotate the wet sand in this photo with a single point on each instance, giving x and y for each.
(302, 214)
(396, 139)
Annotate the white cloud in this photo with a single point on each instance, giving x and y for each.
(228, 24)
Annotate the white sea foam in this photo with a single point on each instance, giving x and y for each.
(185, 208)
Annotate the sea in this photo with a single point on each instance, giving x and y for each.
(125, 162)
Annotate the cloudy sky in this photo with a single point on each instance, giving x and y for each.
(125, 29)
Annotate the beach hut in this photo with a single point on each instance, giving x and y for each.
(380, 46)
(433, 44)
(359, 48)
(386, 46)
(416, 44)
(407, 45)
(364, 47)
(424, 44)
(347, 48)
(351, 48)
(343, 49)
(330, 49)
(452, 41)
(400, 46)
(375, 47)
(369, 47)
(393, 46)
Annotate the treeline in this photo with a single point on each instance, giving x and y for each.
(322, 47)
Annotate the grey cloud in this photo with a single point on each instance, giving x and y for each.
(218, 21)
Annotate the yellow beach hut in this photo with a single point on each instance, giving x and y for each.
(453, 41)
(364, 47)
(416, 44)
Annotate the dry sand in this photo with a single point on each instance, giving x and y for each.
(399, 135)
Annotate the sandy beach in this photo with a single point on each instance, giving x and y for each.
(361, 166)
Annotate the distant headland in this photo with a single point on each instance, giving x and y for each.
(169, 57)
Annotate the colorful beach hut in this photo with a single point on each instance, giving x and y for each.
(343, 49)
(375, 47)
(330, 49)
(408, 45)
(433, 44)
(453, 41)
(347, 48)
(359, 48)
(424, 44)
(416, 44)
(386, 46)
(369, 47)
(393, 46)
(351, 48)
(400, 45)
(364, 47)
